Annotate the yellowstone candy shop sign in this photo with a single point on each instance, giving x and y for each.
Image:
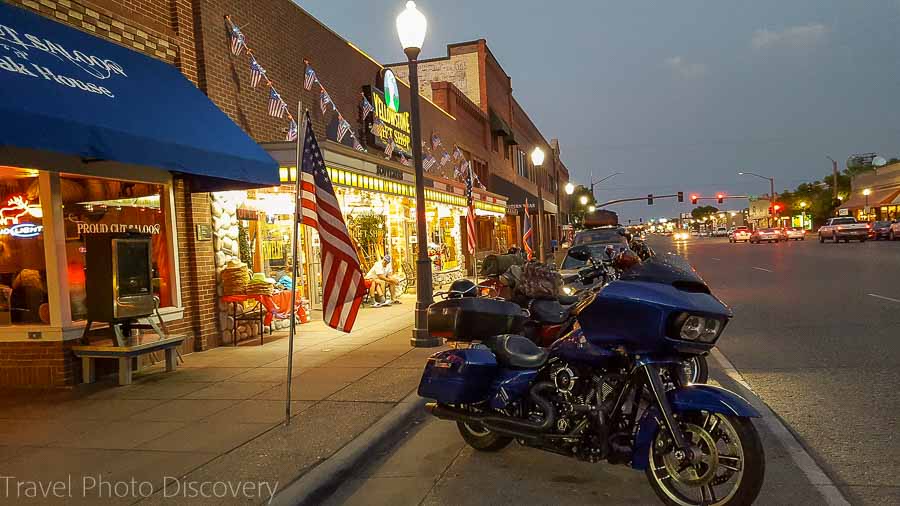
(390, 123)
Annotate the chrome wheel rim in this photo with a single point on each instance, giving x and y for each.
(714, 477)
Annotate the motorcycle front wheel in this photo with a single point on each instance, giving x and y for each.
(728, 468)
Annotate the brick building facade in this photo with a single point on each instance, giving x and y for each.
(193, 36)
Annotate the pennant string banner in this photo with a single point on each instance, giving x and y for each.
(343, 127)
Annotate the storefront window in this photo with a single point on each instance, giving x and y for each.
(97, 206)
(379, 223)
(23, 274)
(444, 242)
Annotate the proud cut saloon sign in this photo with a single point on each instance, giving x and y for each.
(390, 125)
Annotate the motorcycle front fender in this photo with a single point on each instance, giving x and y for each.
(708, 398)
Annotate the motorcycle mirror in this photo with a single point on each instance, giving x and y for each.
(581, 253)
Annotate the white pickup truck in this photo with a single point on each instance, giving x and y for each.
(844, 228)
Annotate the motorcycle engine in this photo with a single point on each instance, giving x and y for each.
(583, 400)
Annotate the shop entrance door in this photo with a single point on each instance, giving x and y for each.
(313, 254)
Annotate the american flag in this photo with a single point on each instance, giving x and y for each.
(389, 149)
(435, 140)
(457, 154)
(342, 277)
(324, 100)
(309, 78)
(404, 160)
(377, 127)
(366, 107)
(276, 104)
(237, 41)
(357, 146)
(527, 241)
(343, 128)
(445, 159)
(470, 212)
(428, 162)
(292, 132)
(256, 72)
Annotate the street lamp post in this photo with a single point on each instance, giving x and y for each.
(411, 27)
(537, 159)
(771, 187)
(803, 215)
(867, 192)
(598, 181)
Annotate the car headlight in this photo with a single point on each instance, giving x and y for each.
(568, 290)
(697, 328)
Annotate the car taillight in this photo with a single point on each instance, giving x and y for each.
(868, 225)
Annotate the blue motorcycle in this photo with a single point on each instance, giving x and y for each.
(611, 389)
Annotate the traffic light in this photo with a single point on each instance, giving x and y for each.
(770, 211)
(694, 199)
(650, 199)
(720, 198)
(776, 208)
(680, 196)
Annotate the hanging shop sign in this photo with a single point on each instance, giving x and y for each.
(392, 124)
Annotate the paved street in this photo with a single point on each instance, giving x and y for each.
(807, 336)
(816, 335)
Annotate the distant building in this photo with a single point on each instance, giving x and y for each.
(883, 199)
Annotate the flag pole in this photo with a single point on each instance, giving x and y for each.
(301, 138)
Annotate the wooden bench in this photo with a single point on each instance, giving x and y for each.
(125, 354)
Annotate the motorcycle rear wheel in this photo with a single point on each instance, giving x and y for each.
(730, 470)
(481, 438)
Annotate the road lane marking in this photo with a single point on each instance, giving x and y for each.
(716, 259)
(816, 476)
(883, 297)
(761, 269)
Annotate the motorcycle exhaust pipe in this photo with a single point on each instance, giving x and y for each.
(511, 426)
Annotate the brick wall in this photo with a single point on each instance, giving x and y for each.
(37, 364)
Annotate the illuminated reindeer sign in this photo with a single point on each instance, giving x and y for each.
(16, 208)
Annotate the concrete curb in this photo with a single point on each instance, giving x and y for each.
(314, 486)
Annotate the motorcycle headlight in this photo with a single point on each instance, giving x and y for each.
(697, 328)
(568, 290)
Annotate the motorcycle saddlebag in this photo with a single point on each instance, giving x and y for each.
(460, 376)
(474, 318)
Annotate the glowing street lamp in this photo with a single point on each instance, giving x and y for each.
(537, 159)
(411, 28)
(867, 192)
(591, 209)
(570, 188)
(583, 200)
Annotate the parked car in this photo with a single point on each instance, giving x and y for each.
(880, 230)
(765, 235)
(894, 233)
(844, 228)
(794, 234)
(721, 232)
(740, 234)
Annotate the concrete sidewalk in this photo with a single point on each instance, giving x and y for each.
(218, 419)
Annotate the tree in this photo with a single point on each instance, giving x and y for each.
(578, 210)
(701, 212)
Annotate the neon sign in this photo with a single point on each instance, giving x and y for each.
(17, 207)
(22, 230)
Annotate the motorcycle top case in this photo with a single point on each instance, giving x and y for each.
(459, 376)
(474, 318)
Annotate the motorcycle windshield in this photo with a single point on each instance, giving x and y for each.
(667, 269)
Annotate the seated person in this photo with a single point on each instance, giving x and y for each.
(27, 296)
(382, 276)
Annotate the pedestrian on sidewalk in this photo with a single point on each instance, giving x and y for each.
(383, 280)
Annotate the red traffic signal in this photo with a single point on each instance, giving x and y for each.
(694, 199)
(720, 197)
(776, 208)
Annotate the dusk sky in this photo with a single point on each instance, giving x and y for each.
(677, 95)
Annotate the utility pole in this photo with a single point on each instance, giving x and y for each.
(834, 181)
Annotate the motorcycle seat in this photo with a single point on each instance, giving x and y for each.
(549, 311)
(517, 351)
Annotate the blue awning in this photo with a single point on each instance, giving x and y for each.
(82, 99)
